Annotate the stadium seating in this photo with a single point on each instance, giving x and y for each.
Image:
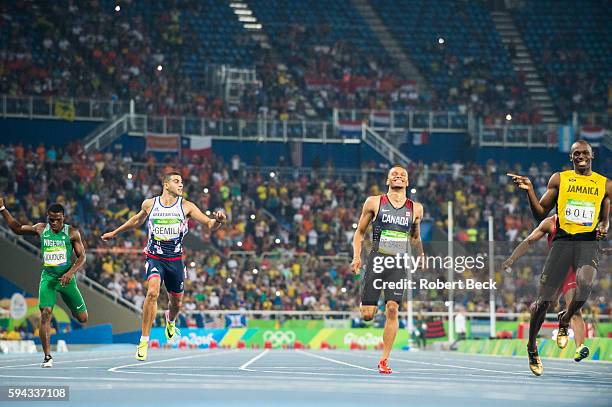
(569, 42)
(470, 68)
(324, 55)
(332, 52)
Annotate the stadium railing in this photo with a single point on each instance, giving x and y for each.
(518, 135)
(38, 107)
(412, 120)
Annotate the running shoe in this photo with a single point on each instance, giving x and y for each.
(581, 352)
(171, 328)
(383, 367)
(562, 334)
(141, 350)
(47, 362)
(535, 363)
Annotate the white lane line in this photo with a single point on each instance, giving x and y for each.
(52, 378)
(55, 362)
(453, 366)
(515, 357)
(335, 361)
(204, 353)
(253, 360)
(577, 370)
(523, 374)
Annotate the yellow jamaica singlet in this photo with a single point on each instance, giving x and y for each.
(579, 204)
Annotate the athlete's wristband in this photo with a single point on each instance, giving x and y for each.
(2, 208)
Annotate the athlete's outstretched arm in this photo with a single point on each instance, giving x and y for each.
(546, 226)
(367, 214)
(79, 250)
(133, 222)
(214, 223)
(17, 227)
(542, 207)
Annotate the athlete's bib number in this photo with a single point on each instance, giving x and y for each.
(393, 242)
(55, 256)
(580, 212)
(166, 229)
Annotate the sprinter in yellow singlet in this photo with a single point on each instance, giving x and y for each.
(582, 199)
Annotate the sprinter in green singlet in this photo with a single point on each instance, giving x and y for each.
(58, 240)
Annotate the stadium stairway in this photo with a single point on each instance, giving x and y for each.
(21, 266)
(389, 42)
(259, 34)
(522, 62)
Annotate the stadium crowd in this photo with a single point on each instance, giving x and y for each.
(101, 54)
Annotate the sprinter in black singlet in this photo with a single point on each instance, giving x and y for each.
(396, 227)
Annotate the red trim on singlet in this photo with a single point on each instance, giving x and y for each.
(410, 205)
(176, 294)
(384, 199)
(162, 258)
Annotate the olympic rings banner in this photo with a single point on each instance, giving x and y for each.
(279, 338)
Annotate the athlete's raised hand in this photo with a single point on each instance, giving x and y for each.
(521, 181)
(107, 236)
(356, 265)
(220, 217)
(1, 202)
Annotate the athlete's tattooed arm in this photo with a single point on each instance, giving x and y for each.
(214, 223)
(79, 251)
(134, 221)
(17, 227)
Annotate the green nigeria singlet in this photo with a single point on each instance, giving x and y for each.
(56, 250)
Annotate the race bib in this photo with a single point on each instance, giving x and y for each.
(55, 256)
(580, 212)
(393, 242)
(166, 229)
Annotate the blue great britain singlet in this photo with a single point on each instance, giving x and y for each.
(167, 227)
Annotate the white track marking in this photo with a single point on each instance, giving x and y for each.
(204, 353)
(251, 361)
(115, 379)
(523, 374)
(335, 361)
(66, 361)
(577, 370)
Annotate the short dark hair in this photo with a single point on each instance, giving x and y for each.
(55, 208)
(397, 166)
(167, 176)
